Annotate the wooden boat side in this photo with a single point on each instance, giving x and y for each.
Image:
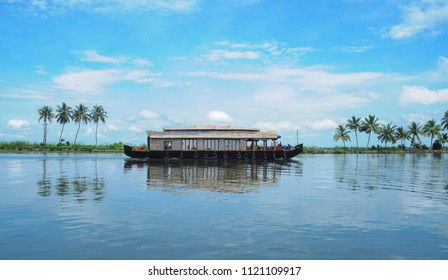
(241, 155)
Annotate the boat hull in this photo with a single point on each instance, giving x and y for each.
(238, 155)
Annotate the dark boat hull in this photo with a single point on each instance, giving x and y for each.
(242, 155)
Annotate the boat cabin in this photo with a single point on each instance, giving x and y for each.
(212, 138)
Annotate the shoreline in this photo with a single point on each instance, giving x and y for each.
(117, 150)
(383, 150)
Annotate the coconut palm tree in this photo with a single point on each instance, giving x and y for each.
(354, 124)
(98, 114)
(431, 129)
(402, 135)
(445, 121)
(45, 114)
(341, 133)
(387, 134)
(443, 139)
(369, 125)
(414, 131)
(63, 116)
(80, 114)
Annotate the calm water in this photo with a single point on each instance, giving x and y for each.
(56, 206)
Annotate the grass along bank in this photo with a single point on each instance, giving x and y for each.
(373, 150)
(23, 146)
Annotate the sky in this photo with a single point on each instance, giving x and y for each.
(289, 66)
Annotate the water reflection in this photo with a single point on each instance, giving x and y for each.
(425, 174)
(71, 181)
(214, 175)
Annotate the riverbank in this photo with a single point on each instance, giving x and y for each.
(19, 146)
(380, 150)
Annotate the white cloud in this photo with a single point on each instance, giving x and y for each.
(40, 69)
(104, 6)
(215, 55)
(219, 116)
(135, 129)
(148, 114)
(255, 51)
(93, 56)
(354, 49)
(17, 124)
(280, 125)
(112, 127)
(322, 124)
(422, 95)
(308, 78)
(94, 81)
(142, 62)
(90, 131)
(418, 118)
(440, 74)
(423, 16)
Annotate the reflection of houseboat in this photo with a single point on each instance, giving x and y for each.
(223, 142)
(228, 176)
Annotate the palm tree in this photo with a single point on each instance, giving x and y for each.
(445, 121)
(431, 129)
(369, 125)
(387, 134)
(341, 134)
(80, 114)
(98, 114)
(414, 130)
(63, 116)
(443, 139)
(45, 114)
(402, 135)
(354, 124)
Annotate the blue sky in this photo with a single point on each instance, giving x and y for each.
(283, 65)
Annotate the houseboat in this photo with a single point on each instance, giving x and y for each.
(214, 142)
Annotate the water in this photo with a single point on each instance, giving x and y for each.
(62, 206)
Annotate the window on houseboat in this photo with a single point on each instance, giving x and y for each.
(232, 144)
(211, 144)
(189, 144)
(167, 145)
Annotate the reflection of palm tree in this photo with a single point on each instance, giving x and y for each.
(79, 187)
(98, 114)
(414, 131)
(80, 114)
(63, 116)
(45, 114)
(354, 124)
(341, 134)
(432, 129)
(44, 183)
(369, 125)
(387, 134)
(98, 184)
(63, 186)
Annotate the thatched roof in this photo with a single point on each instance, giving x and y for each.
(212, 132)
(211, 128)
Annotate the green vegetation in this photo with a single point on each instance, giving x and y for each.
(389, 133)
(341, 134)
(22, 146)
(45, 114)
(65, 114)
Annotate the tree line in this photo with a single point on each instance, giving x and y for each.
(389, 133)
(65, 114)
